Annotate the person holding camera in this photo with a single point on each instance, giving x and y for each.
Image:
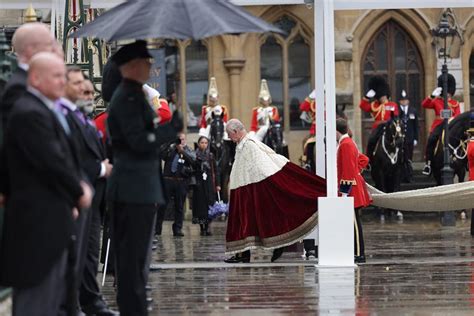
(178, 170)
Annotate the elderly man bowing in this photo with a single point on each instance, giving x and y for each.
(134, 189)
(46, 192)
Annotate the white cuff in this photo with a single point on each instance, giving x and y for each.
(102, 170)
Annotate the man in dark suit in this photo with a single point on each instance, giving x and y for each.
(134, 189)
(28, 39)
(46, 193)
(409, 116)
(97, 168)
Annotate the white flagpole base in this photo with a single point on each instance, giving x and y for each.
(336, 232)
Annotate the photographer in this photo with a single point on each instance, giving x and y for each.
(178, 159)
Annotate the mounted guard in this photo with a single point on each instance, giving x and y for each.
(263, 115)
(213, 108)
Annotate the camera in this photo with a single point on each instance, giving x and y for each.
(177, 141)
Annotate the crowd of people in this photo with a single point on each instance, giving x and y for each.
(63, 174)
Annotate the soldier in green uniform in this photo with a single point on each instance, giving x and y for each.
(135, 188)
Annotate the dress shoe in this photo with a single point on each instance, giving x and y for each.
(311, 253)
(237, 259)
(104, 312)
(277, 253)
(178, 234)
(359, 259)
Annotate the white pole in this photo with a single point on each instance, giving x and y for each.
(319, 83)
(330, 85)
(106, 261)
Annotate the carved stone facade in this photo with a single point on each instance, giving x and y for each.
(236, 60)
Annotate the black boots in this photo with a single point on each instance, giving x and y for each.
(205, 230)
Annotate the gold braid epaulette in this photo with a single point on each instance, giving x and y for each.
(380, 108)
(347, 182)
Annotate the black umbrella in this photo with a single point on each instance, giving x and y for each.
(177, 19)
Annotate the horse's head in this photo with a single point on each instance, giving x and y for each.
(274, 137)
(217, 131)
(395, 133)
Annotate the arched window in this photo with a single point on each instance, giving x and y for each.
(285, 61)
(196, 81)
(271, 70)
(392, 53)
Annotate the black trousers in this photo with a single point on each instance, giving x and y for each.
(45, 298)
(177, 189)
(359, 246)
(132, 231)
(90, 297)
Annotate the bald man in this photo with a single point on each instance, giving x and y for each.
(46, 193)
(28, 40)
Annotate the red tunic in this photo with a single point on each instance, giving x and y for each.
(437, 104)
(254, 123)
(470, 158)
(308, 105)
(205, 110)
(380, 113)
(101, 123)
(350, 163)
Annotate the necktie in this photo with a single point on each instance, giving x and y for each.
(174, 164)
(62, 120)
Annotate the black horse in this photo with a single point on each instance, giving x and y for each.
(387, 160)
(458, 140)
(274, 139)
(223, 151)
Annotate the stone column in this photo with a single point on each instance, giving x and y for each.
(234, 62)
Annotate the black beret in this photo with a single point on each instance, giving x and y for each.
(130, 52)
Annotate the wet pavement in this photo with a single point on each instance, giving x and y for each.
(414, 267)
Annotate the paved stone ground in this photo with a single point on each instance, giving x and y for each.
(415, 267)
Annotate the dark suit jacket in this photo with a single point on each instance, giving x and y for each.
(13, 90)
(91, 155)
(136, 138)
(410, 121)
(45, 186)
(183, 168)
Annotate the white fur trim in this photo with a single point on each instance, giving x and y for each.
(254, 162)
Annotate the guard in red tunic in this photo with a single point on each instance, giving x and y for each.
(470, 159)
(308, 106)
(377, 103)
(436, 102)
(264, 114)
(212, 107)
(350, 163)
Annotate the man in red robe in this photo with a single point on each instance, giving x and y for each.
(377, 103)
(436, 103)
(273, 202)
(350, 163)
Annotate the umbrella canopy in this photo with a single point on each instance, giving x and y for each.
(177, 19)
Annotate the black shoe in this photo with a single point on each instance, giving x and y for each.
(359, 259)
(311, 253)
(237, 259)
(203, 233)
(178, 234)
(277, 253)
(207, 233)
(427, 169)
(103, 312)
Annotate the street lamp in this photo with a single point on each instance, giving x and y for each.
(442, 31)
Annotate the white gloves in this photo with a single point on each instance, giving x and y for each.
(313, 94)
(152, 95)
(437, 92)
(415, 142)
(370, 94)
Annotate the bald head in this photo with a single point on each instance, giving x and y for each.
(47, 74)
(30, 39)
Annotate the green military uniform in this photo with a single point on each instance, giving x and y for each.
(135, 187)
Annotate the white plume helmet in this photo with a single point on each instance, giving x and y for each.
(212, 92)
(403, 95)
(264, 92)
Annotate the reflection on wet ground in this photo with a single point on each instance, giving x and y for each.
(413, 268)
